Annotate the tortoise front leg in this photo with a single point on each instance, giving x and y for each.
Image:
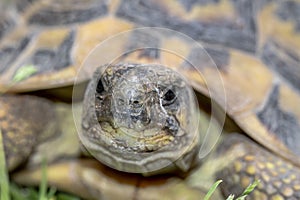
(279, 179)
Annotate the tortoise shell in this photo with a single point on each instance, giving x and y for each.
(255, 45)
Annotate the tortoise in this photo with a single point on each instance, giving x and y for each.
(254, 45)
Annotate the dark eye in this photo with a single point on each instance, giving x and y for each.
(169, 98)
(100, 87)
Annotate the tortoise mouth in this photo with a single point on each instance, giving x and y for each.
(148, 140)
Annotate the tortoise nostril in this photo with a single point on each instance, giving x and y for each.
(143, 118)
(136, 104)
(172, 125)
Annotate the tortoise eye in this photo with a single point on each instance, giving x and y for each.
(169, 97)
(100, 87)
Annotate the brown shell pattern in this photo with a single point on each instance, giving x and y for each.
(255, 45)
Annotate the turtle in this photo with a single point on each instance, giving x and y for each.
(254, 48)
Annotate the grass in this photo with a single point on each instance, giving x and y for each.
(243, 196)
(212, 190)
(10, 191)
(4, 182)
(24, 72)
(43, 192)
(43, 185)
(21, 74)
(31, 193)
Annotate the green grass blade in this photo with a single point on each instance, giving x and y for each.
(248, 190)
(15, 192)
(24, 72)
(43, 185)
(51, 193)
(19, 193)
(230, 197)
(31, 194)
(4, 182)
(63, 196)
(212, 189)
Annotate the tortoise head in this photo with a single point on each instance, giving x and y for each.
(140, 118)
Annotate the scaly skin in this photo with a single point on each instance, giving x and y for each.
(279, 179)
(25, 121)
